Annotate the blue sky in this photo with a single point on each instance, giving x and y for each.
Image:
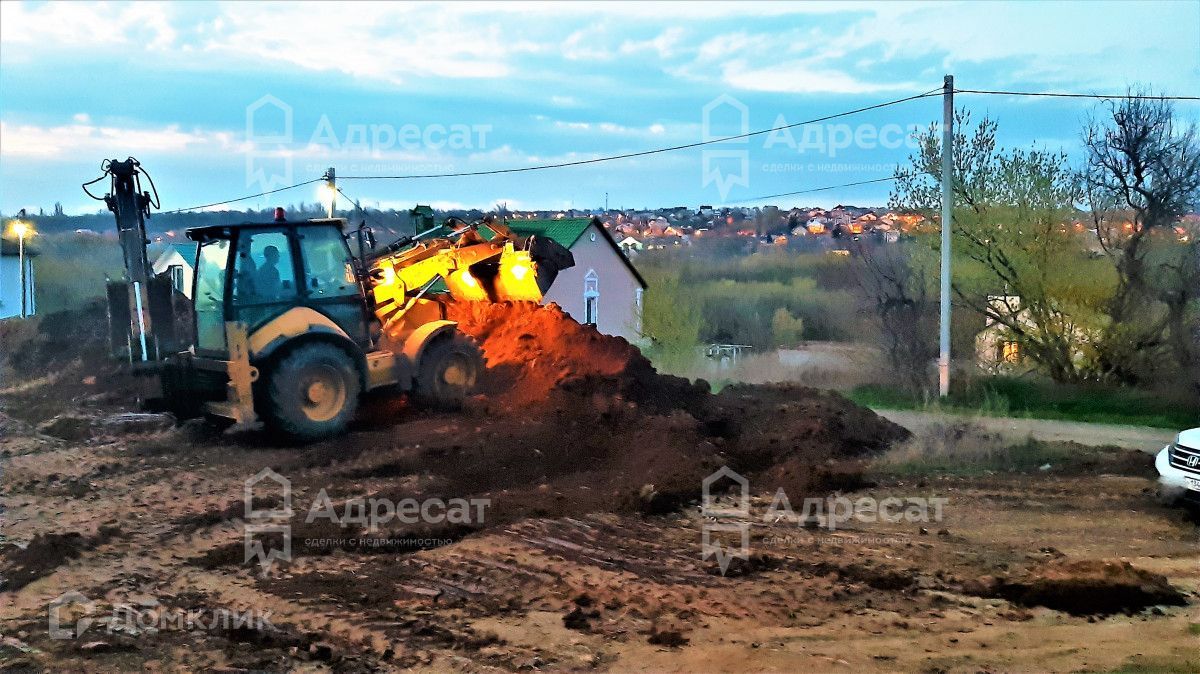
(474, 87)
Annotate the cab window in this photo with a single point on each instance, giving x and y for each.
(328, 267)
(209, 294)
(264, 272)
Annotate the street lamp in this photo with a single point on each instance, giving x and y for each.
(22, 229)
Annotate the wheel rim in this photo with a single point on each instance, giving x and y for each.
(322, 392)
(458, 372)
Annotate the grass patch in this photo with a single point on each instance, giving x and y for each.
(964, 449)
(1011, 397)
(1194, 628)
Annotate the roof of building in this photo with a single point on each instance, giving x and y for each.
(566, 231)
(186, 250)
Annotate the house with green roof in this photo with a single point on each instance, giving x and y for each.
(603, 288)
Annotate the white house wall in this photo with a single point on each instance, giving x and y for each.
(618, 313)
(170, 259)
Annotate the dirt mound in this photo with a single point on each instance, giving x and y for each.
(60, 338)
(533, 351)
(572, 421)
(59, 363)
(1086, 587)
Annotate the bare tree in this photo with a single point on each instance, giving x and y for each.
(895, 286)
(1143, 173)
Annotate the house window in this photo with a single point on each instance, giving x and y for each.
(637, 307)
(591, 298)
(1010, 352)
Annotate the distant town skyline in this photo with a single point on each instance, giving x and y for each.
(224, 100)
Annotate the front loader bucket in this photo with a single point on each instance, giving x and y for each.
(550, 258)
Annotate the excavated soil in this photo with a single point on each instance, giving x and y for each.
(46, 552)
(660, 435)
(1084, 587)
(567, 421)
(591, 555)
(533, 351)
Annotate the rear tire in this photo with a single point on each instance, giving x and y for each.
(312, 392)
(448, 372)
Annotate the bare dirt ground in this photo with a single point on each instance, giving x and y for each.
(590, 557)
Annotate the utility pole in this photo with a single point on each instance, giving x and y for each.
(21, 229)
(947, 207)
(331, 185)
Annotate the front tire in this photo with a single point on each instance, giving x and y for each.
(312, 392)
(448, 372)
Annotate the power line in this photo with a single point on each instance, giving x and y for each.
(643, 153)
(249, 196)
(1051, 94)
(814, 189)
(365, 213)
(674, 148)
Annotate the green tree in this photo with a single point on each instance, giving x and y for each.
(1019, 259)
(786, 329)
(670, 319)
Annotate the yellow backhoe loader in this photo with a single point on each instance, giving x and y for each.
(290, 327)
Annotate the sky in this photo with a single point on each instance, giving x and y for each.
(220, 100)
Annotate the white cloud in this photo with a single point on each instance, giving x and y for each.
(97, 24)
(802, 77)
(393, 44)
(614, 129)
(587, 44)
(69, 140)
(665, 44)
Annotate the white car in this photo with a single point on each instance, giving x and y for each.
(1178, 467)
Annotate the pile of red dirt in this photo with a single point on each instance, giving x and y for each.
(645, 428)
(533, 351)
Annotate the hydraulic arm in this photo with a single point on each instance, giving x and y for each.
(141, 307)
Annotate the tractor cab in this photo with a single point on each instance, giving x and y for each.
(255, 273)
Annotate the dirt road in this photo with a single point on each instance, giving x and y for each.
(1143, 438)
